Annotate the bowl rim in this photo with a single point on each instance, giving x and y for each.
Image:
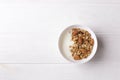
(94, 48)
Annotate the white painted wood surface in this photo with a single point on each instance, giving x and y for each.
(29, 32)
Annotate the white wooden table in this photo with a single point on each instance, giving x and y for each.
(29, 32)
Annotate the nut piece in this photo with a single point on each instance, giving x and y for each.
(80, 40)
(91, 41)
(74, 32)
(84, 51)
(76, 57)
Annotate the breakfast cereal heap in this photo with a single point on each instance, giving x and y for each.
(83, 44)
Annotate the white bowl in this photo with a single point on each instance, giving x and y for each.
(65, 41)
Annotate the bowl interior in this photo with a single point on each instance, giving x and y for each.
(65, 41)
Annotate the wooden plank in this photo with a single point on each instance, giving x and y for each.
(60, 71)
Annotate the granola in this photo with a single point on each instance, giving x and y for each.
(83, 44)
